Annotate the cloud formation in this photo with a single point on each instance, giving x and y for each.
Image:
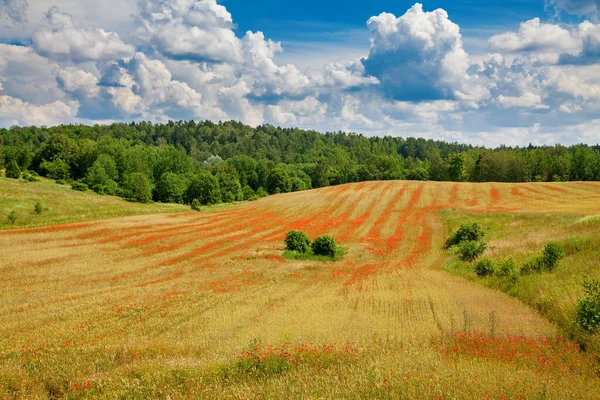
(185, 59)
(62, 40)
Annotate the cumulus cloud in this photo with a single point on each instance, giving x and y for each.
(189, 30)
(418, 56)
(65, 41)
(13, 12)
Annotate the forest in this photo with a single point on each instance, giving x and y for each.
(206, 163)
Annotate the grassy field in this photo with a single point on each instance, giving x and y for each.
(204, 305)
(60, 204)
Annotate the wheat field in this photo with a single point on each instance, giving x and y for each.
(202, 305)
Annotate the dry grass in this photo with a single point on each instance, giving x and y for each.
(201, 305)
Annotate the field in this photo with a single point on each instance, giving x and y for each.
(203, 304)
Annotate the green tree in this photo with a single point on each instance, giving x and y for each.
(204, 187)
(231, 190)
(137, 187)
(171, 188)
(456, 168)
(101, 176)
(279, 181)
(57, 169)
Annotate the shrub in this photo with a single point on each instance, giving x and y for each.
(12, 217)
(13, 171)
(467, 232)
(297, 241)
(551, 254)
(38, 208)
(508, 270)
(471, 249)
(196, 206)
(249, 193)
(61, 182)
(231, 190)
(484, 267)
(30, 177)
(324, 246)
(588, 307)
(57, 169)
(532, 265)
(261, 192)
(79, 186)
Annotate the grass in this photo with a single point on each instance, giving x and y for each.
(522, 237)
(309, 256)
(202, 305)
(59, 204)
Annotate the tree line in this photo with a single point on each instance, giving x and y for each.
(229, 161)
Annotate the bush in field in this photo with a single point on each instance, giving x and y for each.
(484, 267)
(297, 241)
(467, 232)
(324, 246)
(508, 270)
(30, 177)
(588, 307)
(13, 171)
(547, 261)
(261, 192)
(196, 206)
(471, 249)
(79, 186)
(12, 217)
(551, 254)
(249, 193)
(38, 208)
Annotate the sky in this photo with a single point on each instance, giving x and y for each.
(486, 73)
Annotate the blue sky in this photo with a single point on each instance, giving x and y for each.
(487, 73)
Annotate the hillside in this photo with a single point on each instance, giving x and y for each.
(203, 305)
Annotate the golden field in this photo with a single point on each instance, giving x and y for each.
(202, 305)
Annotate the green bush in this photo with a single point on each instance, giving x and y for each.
(278, 181)
(467, 232)
(30, 177)
(297, 241)
(532, 265)
(170, 188)
(508, 270)
(196, 206)
(471, 249)
(551, 254)
(13, 171)
(38, 208)
(588, 307)
(12, 217)
(484, 267)
(249, 193)
(79, 186)
(261, 192)
(324, 246)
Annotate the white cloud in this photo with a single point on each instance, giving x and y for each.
(15, 111)
(527, 100)
(65, 41)
(418, 56)
(80, 83)
(13, 12)
(189, 30)
(534, 36)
